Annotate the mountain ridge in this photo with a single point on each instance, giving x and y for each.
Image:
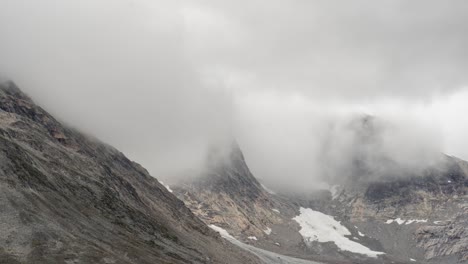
(66, 198)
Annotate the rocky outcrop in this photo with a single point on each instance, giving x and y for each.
(229, 196)
(68, 198)
(446, 238)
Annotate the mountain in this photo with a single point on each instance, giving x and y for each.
(229, 197)
(415, 213)
(68, 198)
(227, 194)
(415, 218)
(419, 216)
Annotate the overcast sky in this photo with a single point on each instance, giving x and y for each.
(164, 80)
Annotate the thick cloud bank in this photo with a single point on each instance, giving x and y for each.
(165, 81)
(300, 144)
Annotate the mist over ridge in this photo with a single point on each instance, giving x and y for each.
(165, 82)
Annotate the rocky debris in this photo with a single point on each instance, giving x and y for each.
(68, 198)
(448, 239)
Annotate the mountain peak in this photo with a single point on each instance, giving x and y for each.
(89, 203)
(10, 90)
(20, 106)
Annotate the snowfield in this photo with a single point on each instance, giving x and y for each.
(316, 226)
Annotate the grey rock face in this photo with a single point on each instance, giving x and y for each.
(68, 198)
(228, 195)
(449, 238)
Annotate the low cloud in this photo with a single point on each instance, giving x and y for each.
(302, 144)
(166, 81)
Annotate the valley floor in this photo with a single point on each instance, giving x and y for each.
(270, 257)
(264, 255)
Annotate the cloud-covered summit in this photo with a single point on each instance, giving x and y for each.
(165, 80)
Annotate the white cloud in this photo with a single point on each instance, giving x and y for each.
(162, 80)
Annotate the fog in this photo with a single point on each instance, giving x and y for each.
(165, 81)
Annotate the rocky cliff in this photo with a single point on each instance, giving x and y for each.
(68, 198)
(228, 195)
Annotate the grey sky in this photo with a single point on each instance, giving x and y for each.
(164, 80)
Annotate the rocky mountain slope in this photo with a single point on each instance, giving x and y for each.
(228, 196)
(410, 218)
(423, 217)
(67, 198)
(416, 214)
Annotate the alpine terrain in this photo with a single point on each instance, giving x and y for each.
(413, 218)
(68, 198)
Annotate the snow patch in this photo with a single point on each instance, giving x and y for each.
(267, 231)
(412, 259)
(252, 238)
(361, 234)
(268, 190)
(265, 256)
(334, 190)
(407, 222)
(399, 221)
(167, 186)
(316, 226)
(221, 231)
(275, 210)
